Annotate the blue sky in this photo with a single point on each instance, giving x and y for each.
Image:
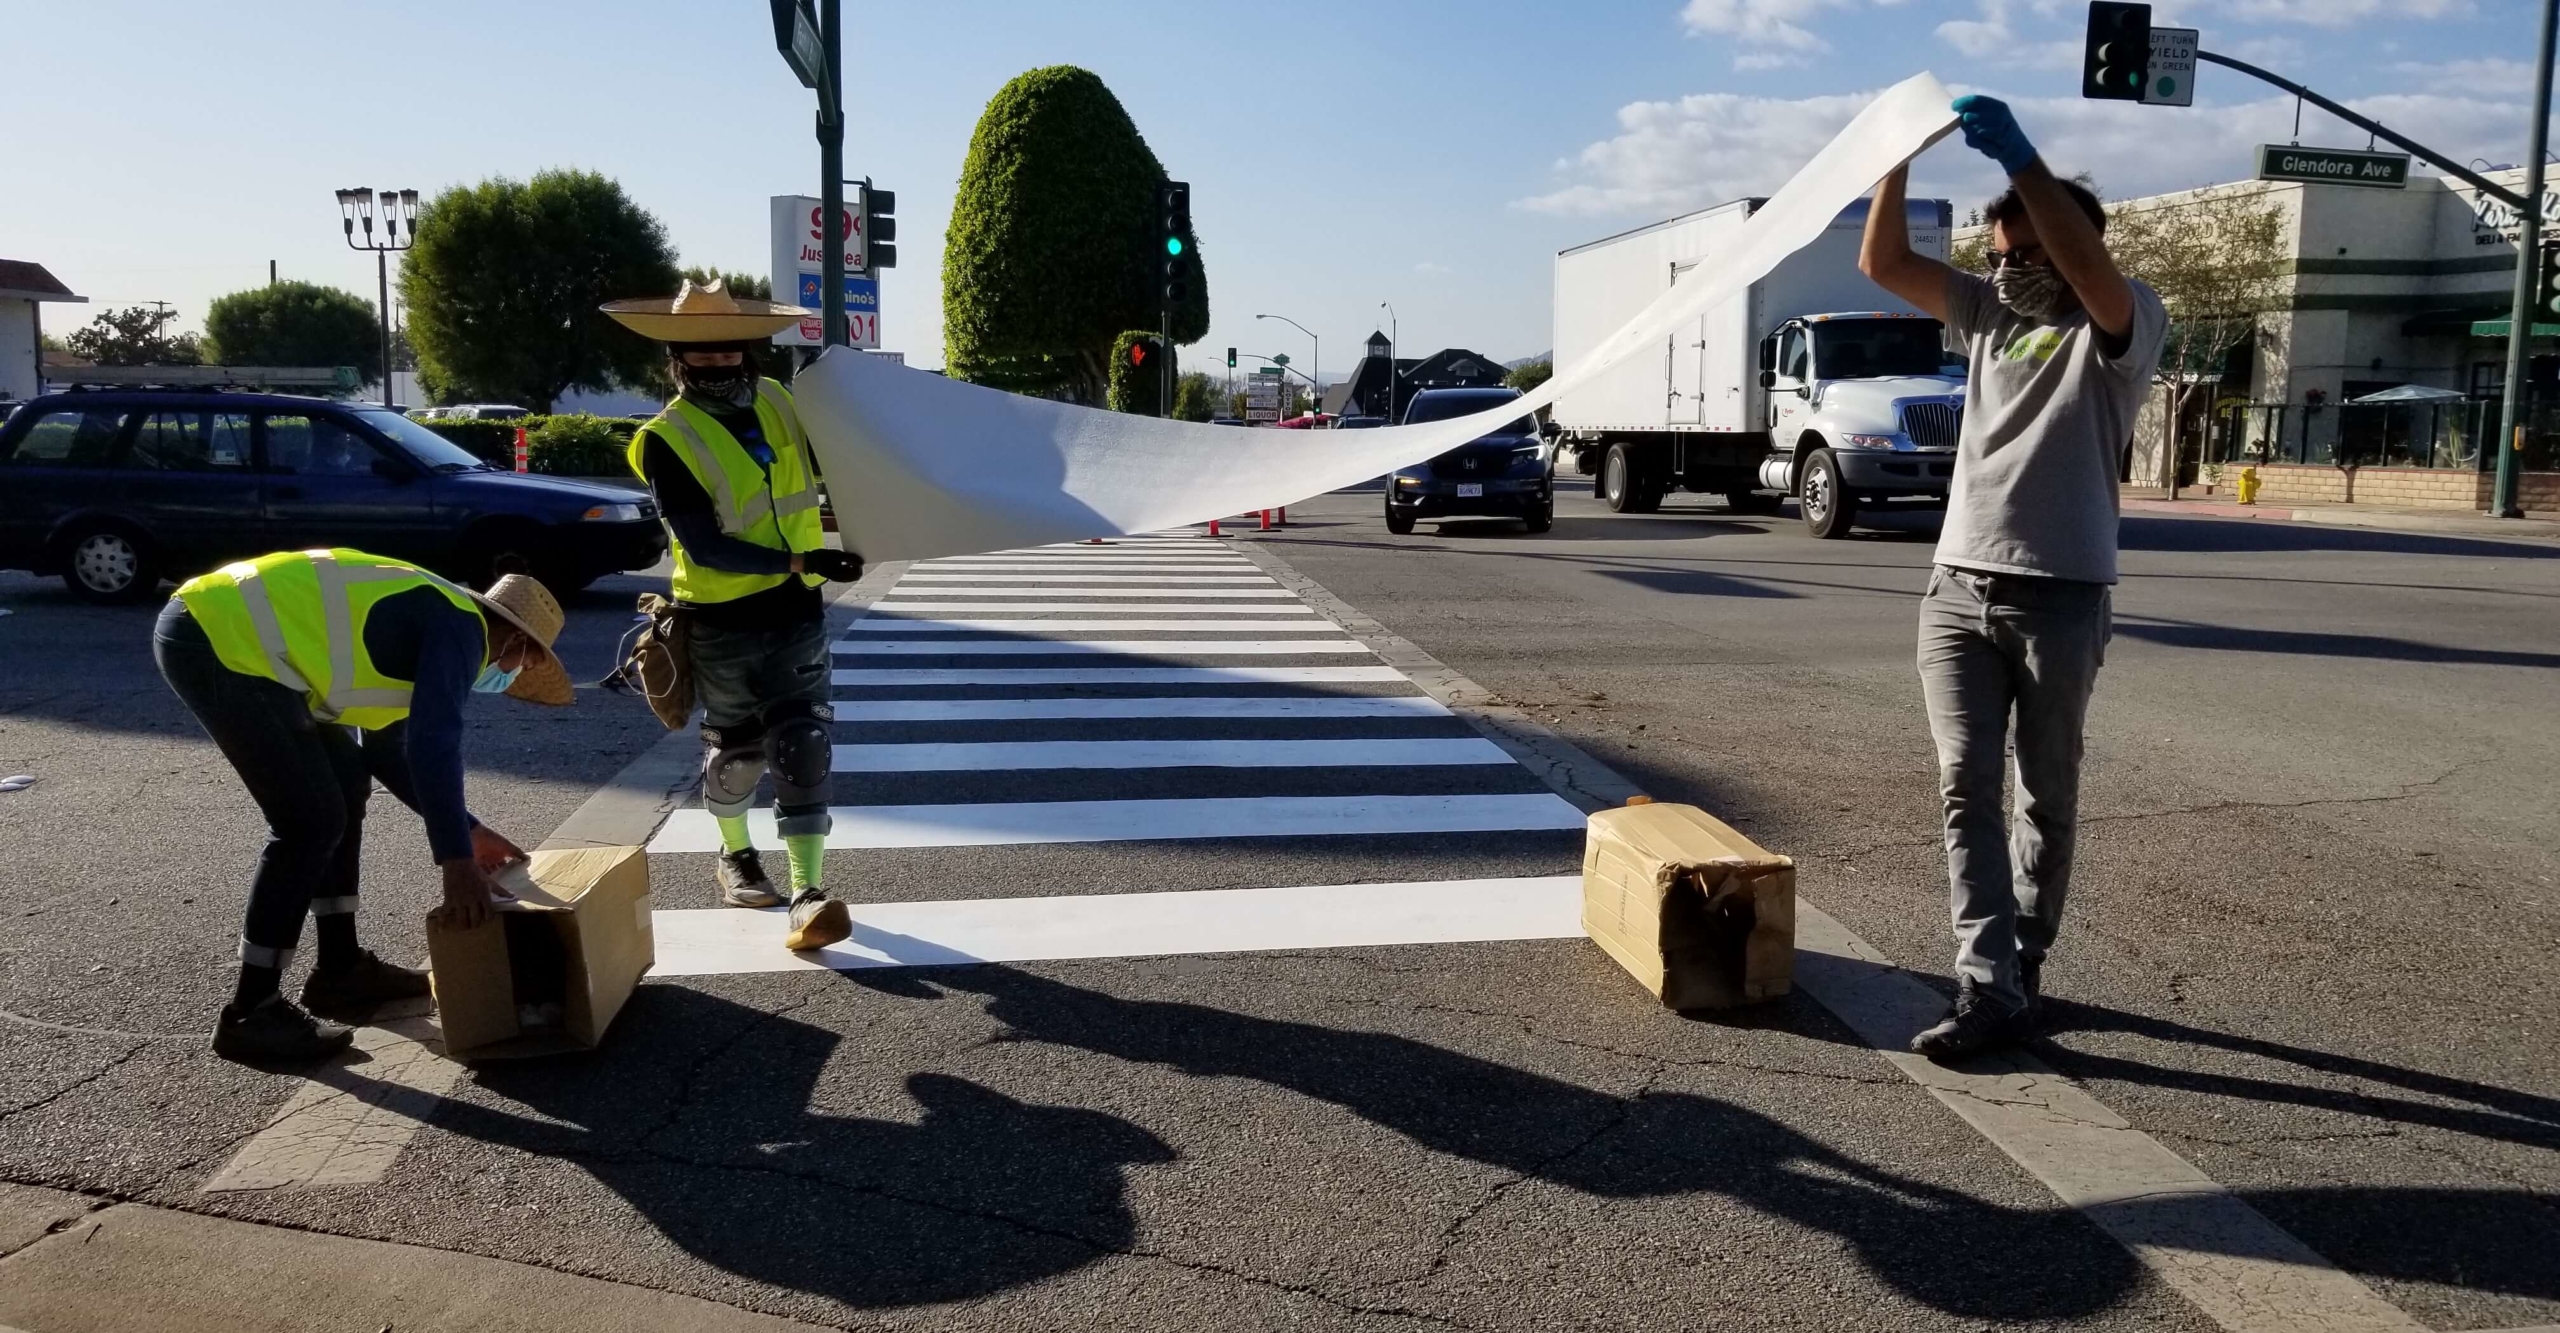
(1341, 154)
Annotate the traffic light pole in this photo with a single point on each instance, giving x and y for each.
(2502, 497)
(831, 170)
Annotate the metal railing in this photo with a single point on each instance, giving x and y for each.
(2451, 436)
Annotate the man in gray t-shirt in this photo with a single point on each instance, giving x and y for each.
(2016, 619)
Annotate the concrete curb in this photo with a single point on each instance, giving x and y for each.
(2343, 516)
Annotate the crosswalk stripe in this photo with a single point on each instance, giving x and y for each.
(1151, 580)
(1003, 756)
(994, 824)
(1196, 706)
(1090, 608)
(717, 941)
(1111, 647)
(1094, 561)
(888, 625)
(1088, 591)
(1119, 676)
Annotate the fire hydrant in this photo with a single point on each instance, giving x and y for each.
(2248, 485)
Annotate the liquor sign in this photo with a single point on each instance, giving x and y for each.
(1262, 397)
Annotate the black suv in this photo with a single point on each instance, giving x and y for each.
(1507, 472)
(118, 490)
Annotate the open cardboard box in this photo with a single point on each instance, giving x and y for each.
(580, 938)
(1701, 915)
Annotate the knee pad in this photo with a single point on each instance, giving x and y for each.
(733, 758)
(803, 753)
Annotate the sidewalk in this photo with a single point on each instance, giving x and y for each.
(2534, 527)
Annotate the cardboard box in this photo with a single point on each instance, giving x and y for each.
(1698, 913)
(579, 939)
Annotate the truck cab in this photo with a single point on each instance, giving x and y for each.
(1863, 408)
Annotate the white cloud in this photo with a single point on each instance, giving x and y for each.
(1428, 269)
(2473, 76)
(1672, 156)
(1767, 60)
(1760, 22)
(1994, 39)
(2341, 13)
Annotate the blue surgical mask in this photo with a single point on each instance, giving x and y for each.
(493, 680)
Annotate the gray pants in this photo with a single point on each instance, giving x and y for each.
(1991, 644)
(764, 704)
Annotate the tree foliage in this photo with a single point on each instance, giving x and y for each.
(504, 282)
(1195, 397)
(134, 336)
(2219, 259)
(1052, 249)
(1137, 381)
(1530, 376)
(294, 324)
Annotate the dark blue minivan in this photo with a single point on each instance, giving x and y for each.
(1507, 472)
(119, 490)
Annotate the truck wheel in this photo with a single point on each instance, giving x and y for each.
(1623, 487)
(1745, 500)
(109, 565)
(1398, 523)
(1829, 509)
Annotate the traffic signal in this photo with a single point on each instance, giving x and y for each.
(1231, 358)
(2116, 59)
(2546, 297)
(1173, 231)
(879, 229)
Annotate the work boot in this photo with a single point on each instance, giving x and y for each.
(816, 922)
(351, 993)
(1974, 1024)
(273, 1032)
(742, 881)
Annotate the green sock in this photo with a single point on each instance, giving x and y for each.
(808, 852)
(733, 832)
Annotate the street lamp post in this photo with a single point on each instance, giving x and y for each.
(1393, 342)
(398, 208)
(1315, 363)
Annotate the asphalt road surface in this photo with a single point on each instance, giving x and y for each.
(2310, 949)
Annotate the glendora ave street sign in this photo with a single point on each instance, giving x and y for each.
(2333, 166)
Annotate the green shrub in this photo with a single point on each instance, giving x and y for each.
(489, 441)
(570, 445)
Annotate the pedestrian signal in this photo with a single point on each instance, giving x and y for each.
(879, 228)
(2116, 59)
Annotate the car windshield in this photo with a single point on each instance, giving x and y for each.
(1442, 406)
(434, 451)
(1852, 349)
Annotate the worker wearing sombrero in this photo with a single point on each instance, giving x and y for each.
(317, 673)
(732, 473)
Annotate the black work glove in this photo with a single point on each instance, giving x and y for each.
(839, 566)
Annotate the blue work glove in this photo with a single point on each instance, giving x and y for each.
(1990, 130)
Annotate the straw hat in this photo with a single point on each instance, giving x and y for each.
(523, 602)
(704, 313)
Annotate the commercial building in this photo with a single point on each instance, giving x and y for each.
(24, 288)
(1382, 384)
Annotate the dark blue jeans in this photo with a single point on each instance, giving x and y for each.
(1992, 645)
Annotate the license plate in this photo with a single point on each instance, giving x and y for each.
(1470, 490)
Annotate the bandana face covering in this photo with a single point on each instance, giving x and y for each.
(726, 384)
(2031, 290)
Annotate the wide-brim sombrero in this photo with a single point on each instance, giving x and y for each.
(704, 313)
(522, 601)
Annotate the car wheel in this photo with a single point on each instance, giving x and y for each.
(1399, 523)
(109, 566)
(1829, 510)
(1745, 500)
(1542, 518)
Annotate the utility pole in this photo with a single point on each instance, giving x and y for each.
(2502, 501)
(831, 166)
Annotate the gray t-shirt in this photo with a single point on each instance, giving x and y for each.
(2046, 414)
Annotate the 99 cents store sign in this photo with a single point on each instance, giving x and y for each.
(800, 265)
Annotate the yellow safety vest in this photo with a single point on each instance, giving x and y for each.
(780, 513)
(297, 618)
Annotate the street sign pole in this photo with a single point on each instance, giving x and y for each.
(831, 167)
(2502, 499)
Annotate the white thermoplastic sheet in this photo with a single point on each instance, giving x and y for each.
(920, 466)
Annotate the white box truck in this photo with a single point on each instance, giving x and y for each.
(1815, 383)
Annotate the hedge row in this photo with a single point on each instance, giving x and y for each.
(569, 445)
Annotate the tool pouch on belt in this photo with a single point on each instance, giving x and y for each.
(656, 661)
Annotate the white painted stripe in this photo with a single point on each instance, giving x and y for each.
(1026, 710)
(1110, 647)
(1093, 592)
(1152, 580)
(1089, 608)
(1055, 562)
(1119, 543)
(999, 824)
(346, 1123)
(884, 625)
(1011, 756)
(1121, 676)
(1211, 557)
(1130, 925)
(2243, 1271)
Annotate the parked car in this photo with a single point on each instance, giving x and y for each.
(471, 412)
(1507, 472)
(119, 490)
(1358, 423)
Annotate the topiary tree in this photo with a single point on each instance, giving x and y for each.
(1052, 249)
(1139, 363)
(294, 324)
(505, 279)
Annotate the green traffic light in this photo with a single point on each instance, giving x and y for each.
(1173, 245)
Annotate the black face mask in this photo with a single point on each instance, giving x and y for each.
(728, 384)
